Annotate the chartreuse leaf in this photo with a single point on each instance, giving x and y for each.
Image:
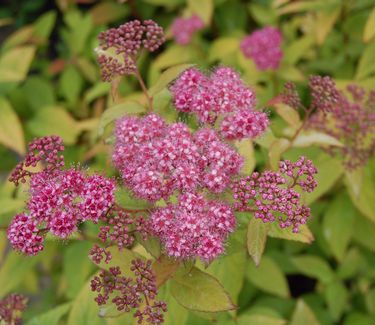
(71, 84)
(107, 12)
(303, 315)
(369, 31)
(199, 291)
(176, 54)
(223, 47)
(13, 270)
(260, 320)
(84, 309)
(313, 266)
(309, 138)
(297, 49)
(364, 232)
(11, 132)
(230, 271)
(55, 120)
(167, 77)
(115, 112)
(325, 20)
(15, 63)
(338, 224)
(366, 64)
(288, 114)
(256, 239)
(336, 296)
(329, 171)
(304, 234)
(246, 150)
(268, 277)
(277, 148)
(264, 15)
(76, 266)
(51, 317)
(364, 200)
(204, 9)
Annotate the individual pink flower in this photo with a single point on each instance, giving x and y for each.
(264, 47)
(183, 29)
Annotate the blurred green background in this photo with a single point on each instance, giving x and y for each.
(50, 84)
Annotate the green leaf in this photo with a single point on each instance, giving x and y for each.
(230, 272)
(176, 54)
(304, 235)
(366, 64)
(15, 63)
(76, 267)
(200, 291)
(13, 270)
(84, 309)
(164, 268)
(11, 132)
(369, 31)
(39, 92)
(308, 138)
(338, 224)
(364, 232)
(290, 72)
(364, 201)
(325, 20)
(268, 277)
(176, 314)
(108, 12)
(314, 266)
(301, 6)
(256, 239)
(336, 296)
(71, 84)
(113, 113)
(288, 114)
(277, 148)
(167, 77)
(303, 315)
(260, 320)
(51, 317)
(329, 171)
(264, 15)
(246, 149)
(223, 47)
(204, 9)
(57, 121)
(44, 25)
(98, 90)
(297, 49)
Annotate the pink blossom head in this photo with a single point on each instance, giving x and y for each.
(264, 47)
(244, 123)
(24, 235)
(195, 227)
(119, 48)
(183, 29)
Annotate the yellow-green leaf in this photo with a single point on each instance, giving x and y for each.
(325, 20)
(303, 315)
(314, 266)
(176, 54)
(268, 277)
(115, 112)
(200, 291)
(366, 64)
(258, 319)
(276, 150)
(288, 114)
(56, 121)
(369, 31)
(223, 47)
(246, 149)
(308, 138)
(304, 235)
(167, 77)
(256, 239)
(203, 9)
(297, 49)
(11, 132)
(15, 63)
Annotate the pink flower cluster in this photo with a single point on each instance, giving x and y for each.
(11, 308)
(272, 195)
(156, 159)
(183, 29)
(350, 120)
(59, 201)
(223, 93)
(128, 293)
(126, 42)
(194, 227)
(264, 47)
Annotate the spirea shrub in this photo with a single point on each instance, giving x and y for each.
(192, 176)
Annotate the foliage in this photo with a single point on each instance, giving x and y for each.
(50, 84)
